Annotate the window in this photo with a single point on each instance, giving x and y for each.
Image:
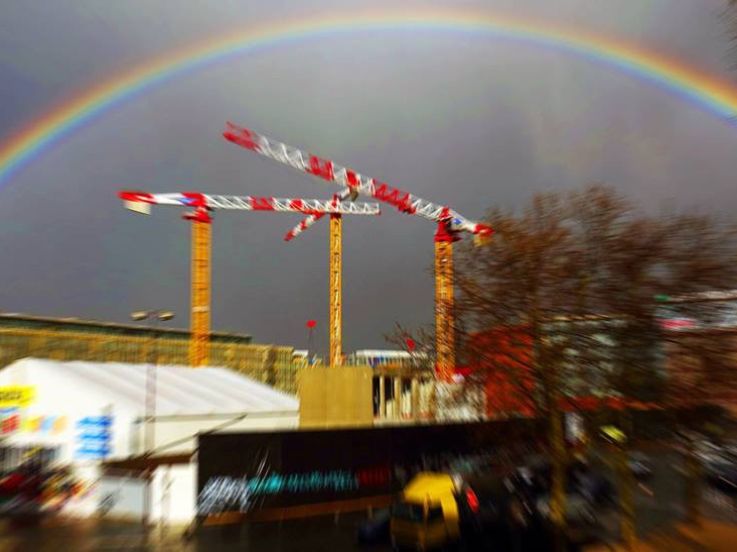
(407, 511)
(434, 514)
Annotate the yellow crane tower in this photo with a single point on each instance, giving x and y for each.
(335, 276)
(200, 300)
(445, 352)
(335, 354)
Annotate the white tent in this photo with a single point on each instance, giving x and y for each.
(188, 401)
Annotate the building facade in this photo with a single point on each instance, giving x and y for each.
(402, 383)
(590, 365)
(23, 336)
(700, 335)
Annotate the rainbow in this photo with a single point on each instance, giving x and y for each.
(710, 93)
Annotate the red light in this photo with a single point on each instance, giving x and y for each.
(311, 323)
(373, 477)
(472, 500)
(410, 344)
(677, 323)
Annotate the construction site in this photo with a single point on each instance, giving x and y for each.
(309, 276)
(449, 227)
(145, 393)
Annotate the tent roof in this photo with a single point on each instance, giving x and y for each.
(179, 390)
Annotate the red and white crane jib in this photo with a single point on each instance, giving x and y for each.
(348, 178)
(203, 203)
(312, 219)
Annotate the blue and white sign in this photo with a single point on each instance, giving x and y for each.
(94, 434)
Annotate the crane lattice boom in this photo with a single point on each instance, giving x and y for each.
(354, 181)
(251, 203)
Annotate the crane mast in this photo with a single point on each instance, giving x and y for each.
(445, 355)
(200, 301)
(202, 205)
(335, 288)
(335, 271)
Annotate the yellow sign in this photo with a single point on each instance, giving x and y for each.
(16, 395)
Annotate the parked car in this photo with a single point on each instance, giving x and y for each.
(426, 516)
(482, 512)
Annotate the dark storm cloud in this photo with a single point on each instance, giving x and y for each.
(467, 121)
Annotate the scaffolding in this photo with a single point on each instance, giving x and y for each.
(269, 364)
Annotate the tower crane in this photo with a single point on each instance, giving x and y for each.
(449, 224)
(201, 206)
(335, 274)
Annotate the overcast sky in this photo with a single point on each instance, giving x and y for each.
(469, 121)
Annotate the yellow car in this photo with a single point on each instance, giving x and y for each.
(426, 516)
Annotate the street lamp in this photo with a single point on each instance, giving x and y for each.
(150, 407)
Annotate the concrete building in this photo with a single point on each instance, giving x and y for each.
(402, 384)
(24, 336)
(700, 335)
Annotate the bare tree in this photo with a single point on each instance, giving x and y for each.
(513, 288)
(561, 305)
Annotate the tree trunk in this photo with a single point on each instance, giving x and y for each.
(626, 484)
(626, 480)
(558, 482)
(693, 486)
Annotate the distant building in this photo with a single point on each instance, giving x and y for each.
(382, 357)
(589, 352)
(713, 310)
(701, 347)
(697, 357)
(96, 327)
(23, 336)
(504, 356)
(301, 358)
(402, 383)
